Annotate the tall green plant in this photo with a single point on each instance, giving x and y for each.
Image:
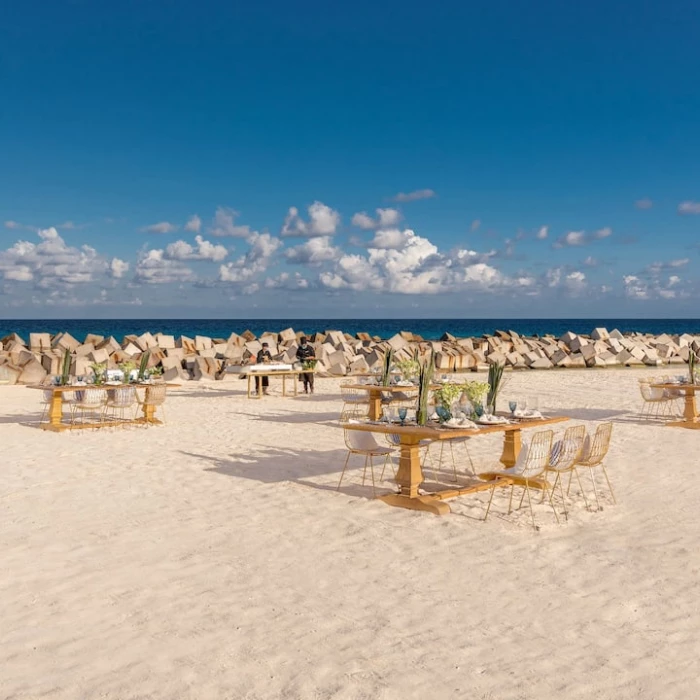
(143, 365)
(495, 379)
(386, 369)
(65, 369)
(425, 379)
(692, 361)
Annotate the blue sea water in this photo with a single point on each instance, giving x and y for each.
(430, 329)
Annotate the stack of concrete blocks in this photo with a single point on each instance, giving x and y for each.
(338, 353)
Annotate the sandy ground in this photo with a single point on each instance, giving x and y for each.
(213, 558)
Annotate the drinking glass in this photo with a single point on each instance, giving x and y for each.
(512, 405)
(402, 414)
(535, 403)
(522, 404)
(479, 410)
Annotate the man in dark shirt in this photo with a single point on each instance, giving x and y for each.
(306, 353)
(264, 357)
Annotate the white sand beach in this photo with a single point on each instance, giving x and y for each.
(212, 557)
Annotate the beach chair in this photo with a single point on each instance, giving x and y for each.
(528, 473)
(563, 458)
(121, 400)
(153, 397)
(355, 404)
(655, 402)
(89, 402)
(363, 443)
(592, 456)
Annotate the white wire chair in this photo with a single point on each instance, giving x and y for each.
(355, 404)
(592, 456)
(563, 458)
(120, 401)
(656, 402)
(364, 444)
(528, 472)
(153, 398)
(89, 402)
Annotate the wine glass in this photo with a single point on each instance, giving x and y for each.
(479, 410)
(522, 405)
(403, 411)
(512, 405)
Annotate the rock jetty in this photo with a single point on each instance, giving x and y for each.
(339, 354)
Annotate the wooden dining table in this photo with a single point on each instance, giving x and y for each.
(56, 423)
(375, 394)
(409, 476)
(690, 409)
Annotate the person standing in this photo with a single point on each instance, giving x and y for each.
(306, 353)
(264, 357)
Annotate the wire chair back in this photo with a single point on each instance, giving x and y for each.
(538, 453)
(599, 446)
(155, 395)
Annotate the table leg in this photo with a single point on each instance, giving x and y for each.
(295, 377)
(56, 412)
(375, 405)
(248, 386)
(511, 447)
(690, 413)
(409, 477)
(284, 385)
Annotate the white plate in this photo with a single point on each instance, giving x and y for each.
(500, 421)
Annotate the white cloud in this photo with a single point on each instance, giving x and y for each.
(161, 227)
(194, 224)
(385, 218)
(364, 221)
(224, 225)
(391, 239)
(313, 252)
(644, 203)
(287, 281)
(118, 268)
(323, 221)
(576, 281)
(51, 263)
(204, 250)
(579, 238)
(13, 224)
(153, 267)
(657, 267)
(413, 196)
(254, 262)
(543, 233)
(475, 225)
(689, 207)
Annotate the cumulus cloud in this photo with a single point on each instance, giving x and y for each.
(203, 250)
(288, 282)
(323, 221)
(161, 227)
(153, 267)
(118, 268)
(51, 262)
(644, 204)
(689, 207)
(657, 267)
(413, 196)
(542, 233)
(385, 218)
(391, 239)
(224, 225)
(416, 267)
(194, 224)
(579, 238)
(254, 262)
(313, 252)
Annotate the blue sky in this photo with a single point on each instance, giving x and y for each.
(462, 159)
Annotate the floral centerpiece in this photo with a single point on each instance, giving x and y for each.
(408, 368)
(475, 391)
(127, 367)
(446, 395)
(99, 369)
(308, 365)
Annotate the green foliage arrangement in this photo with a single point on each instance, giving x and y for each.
(495, 380)
(476, 391)
(65, 368)
(143, 365)
(425, 379)
(408, 368)
(386, 367)
(99, 369)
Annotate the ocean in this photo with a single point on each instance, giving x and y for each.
(430, 329)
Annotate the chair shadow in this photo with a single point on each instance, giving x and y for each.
(592, 414)
(275, 466)
(293, 417)
(30, 420)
